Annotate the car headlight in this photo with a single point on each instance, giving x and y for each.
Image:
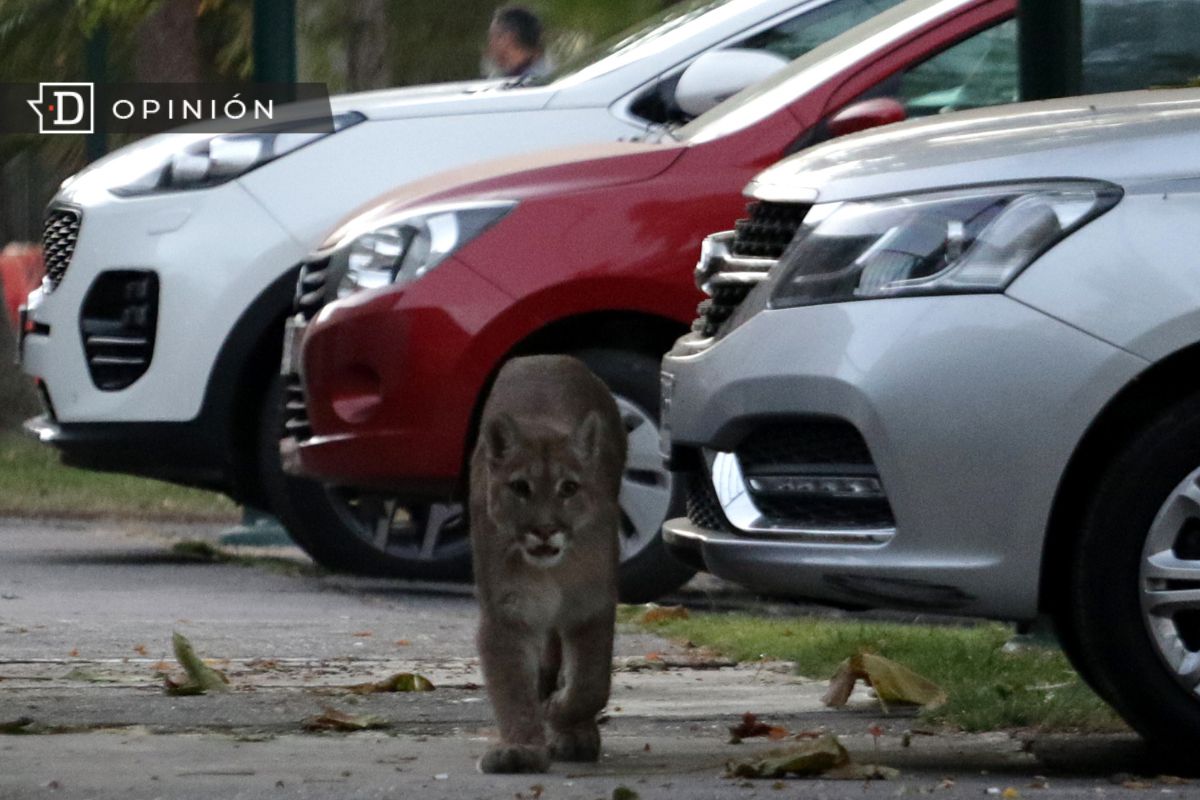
(405, 248)
(961, 241)
(202, 161)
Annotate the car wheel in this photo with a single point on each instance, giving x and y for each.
(1133, 602)
(649, 494)
(347, 530)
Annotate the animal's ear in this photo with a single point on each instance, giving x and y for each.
(501, 437)
(586, 440)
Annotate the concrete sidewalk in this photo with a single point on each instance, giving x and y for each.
(86, 614)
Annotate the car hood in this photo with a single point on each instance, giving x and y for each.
(1127, 138)
(439, 99)
(556, 172)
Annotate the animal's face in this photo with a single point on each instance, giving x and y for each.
(541, 492)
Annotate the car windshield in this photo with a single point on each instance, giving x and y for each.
(614, 52)
(750, 106)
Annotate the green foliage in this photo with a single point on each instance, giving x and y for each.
(33, 483)
(118, 14)
(427, 42)
(988, 688)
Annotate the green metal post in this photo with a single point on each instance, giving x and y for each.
(1051, 48)
(275, 41)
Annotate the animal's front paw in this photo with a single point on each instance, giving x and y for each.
(580, 743)
(512, 758)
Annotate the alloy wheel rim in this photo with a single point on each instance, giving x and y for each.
(427, 532)
(1169, 582)
(438, 531)
(646, 485)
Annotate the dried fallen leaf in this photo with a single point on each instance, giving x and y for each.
(400, 682)
(750, 727)
(17, 725)
(200, 678)
(862, 772)
(74, 652)
(644, 664)
(892, 682)
(140, 649)
(654, 613)
(1011, 792)
(364, 634)
(333, 720)
(1136, 784)
(813, 757)
(403, 643)
(88, 676)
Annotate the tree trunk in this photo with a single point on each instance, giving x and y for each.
(366, 46)
(167, 50)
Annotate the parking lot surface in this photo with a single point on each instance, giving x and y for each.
(86, 616)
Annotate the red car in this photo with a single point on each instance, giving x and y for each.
(588, 252)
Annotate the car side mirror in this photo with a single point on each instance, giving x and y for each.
(866, 114)
(720, 74)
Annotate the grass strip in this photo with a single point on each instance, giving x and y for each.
(1033, 687)
(34, 484)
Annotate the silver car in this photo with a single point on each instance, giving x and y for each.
(954, 365)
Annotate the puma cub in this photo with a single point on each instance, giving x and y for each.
(545, 477)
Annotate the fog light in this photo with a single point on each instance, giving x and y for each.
(358, 394)
(845, 487)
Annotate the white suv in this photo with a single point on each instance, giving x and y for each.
(173, 262)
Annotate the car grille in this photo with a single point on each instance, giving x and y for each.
(60, 231)
(703, 509)
(295, 410)
(312, 288)
(768, 230)
(766, 233)
(118, 322)
(313, 292)
(812, 449)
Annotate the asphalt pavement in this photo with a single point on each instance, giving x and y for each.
(87, 610)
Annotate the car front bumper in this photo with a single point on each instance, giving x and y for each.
(391, 380)
(970, 406)
(210, 252)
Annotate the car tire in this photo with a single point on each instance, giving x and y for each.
(647, 571)
(335, 526)
(1132, 608)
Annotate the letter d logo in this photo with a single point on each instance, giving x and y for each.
(65, 107)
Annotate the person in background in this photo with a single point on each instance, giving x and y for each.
(514, 45)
